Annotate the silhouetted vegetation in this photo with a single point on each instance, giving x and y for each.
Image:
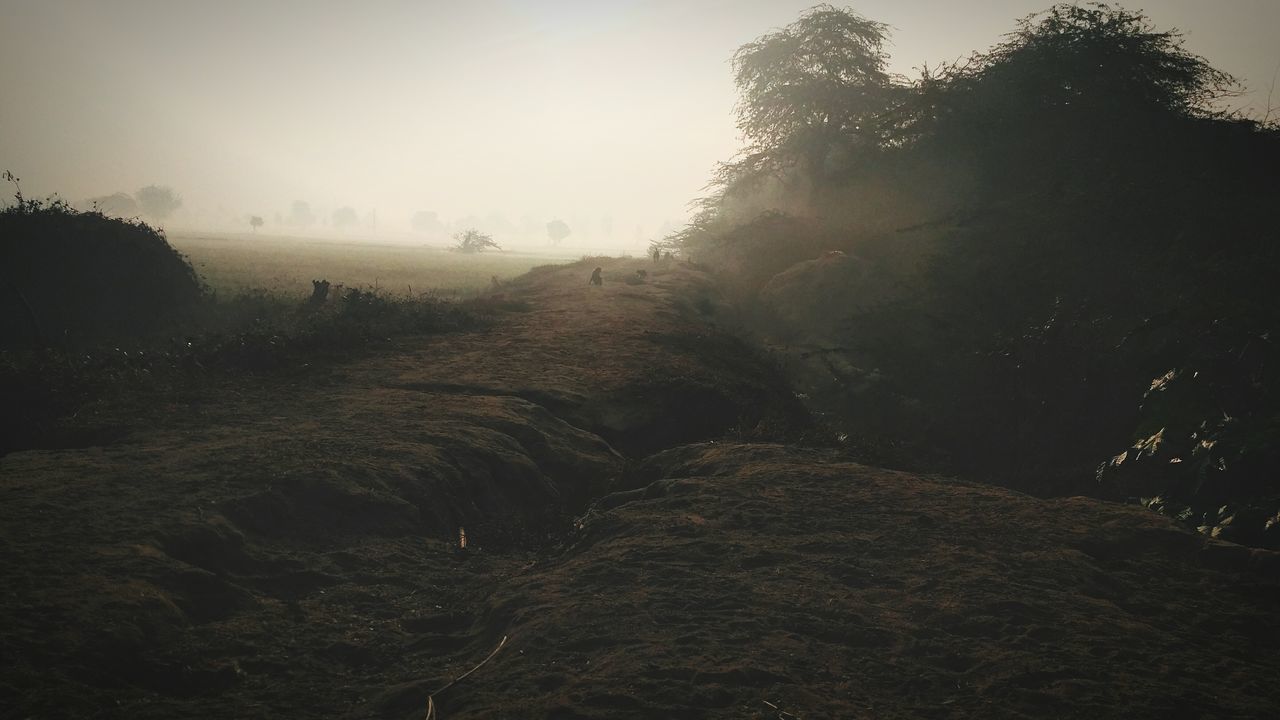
(300, 214)
(473, 241)
(345, 217)
(427, 221)
(1029, 238)
(96, 306)
(72, 277)
(117, 204)
(557, 230)
(157, 201)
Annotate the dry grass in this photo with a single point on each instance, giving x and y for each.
(235, 264)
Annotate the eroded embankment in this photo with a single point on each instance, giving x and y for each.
(750, 573)
(289, 550)
(271, 544)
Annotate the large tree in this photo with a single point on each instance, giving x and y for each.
(815, 86)
(1070, 83)
(1099, 55)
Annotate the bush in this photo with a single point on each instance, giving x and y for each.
(73, 278)
(1095, 223)
(474, 241)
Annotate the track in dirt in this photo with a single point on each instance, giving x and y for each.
(280, 548)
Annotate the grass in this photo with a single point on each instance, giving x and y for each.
(237, 264)
(256, 321)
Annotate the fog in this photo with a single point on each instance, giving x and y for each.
(499, 115)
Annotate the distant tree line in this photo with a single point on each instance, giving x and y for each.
(153, 201)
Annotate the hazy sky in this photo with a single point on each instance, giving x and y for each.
(585, 110)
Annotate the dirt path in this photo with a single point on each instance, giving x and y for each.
(288, 548)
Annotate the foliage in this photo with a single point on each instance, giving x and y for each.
(811, 89)
(117, 204)
(1082, 58)
(474, 241)
(1070, 87)
(345, 217)
(1051, 202)
(1207, 443)
(71, 277)
(426, 221)
(557, 230)
(300, 214)
(158, 202)
(255, 221)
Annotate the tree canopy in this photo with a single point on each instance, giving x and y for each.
(117, 205)
(816, 84)
(345, 217)
(1095, 54)
(557, 230)
(158, 201)
(1054, 221)
(1072, 76)
(300, 214)
(426, 221)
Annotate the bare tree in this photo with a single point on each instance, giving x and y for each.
(473, 241)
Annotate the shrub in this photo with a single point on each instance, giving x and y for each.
(72, 277)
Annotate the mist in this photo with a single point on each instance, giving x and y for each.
(500, 115)
(639, 359)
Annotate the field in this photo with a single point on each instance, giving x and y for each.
(235, 264)
(654, 528)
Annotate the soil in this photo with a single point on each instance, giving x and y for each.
(650, 523)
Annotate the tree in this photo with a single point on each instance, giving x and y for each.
(557, 230)
(345, 217)
(117, 204)
(301, 215)
(158, 201)
(473, 241)
(255, 222)
(1073, 95)
(814, 86)
(426, 222)
(1093, 56)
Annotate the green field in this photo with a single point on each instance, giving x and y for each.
(235, 264)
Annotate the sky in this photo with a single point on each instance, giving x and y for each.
(610, 115)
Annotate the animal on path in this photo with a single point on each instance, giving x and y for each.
(319, 292)
(595, 277)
